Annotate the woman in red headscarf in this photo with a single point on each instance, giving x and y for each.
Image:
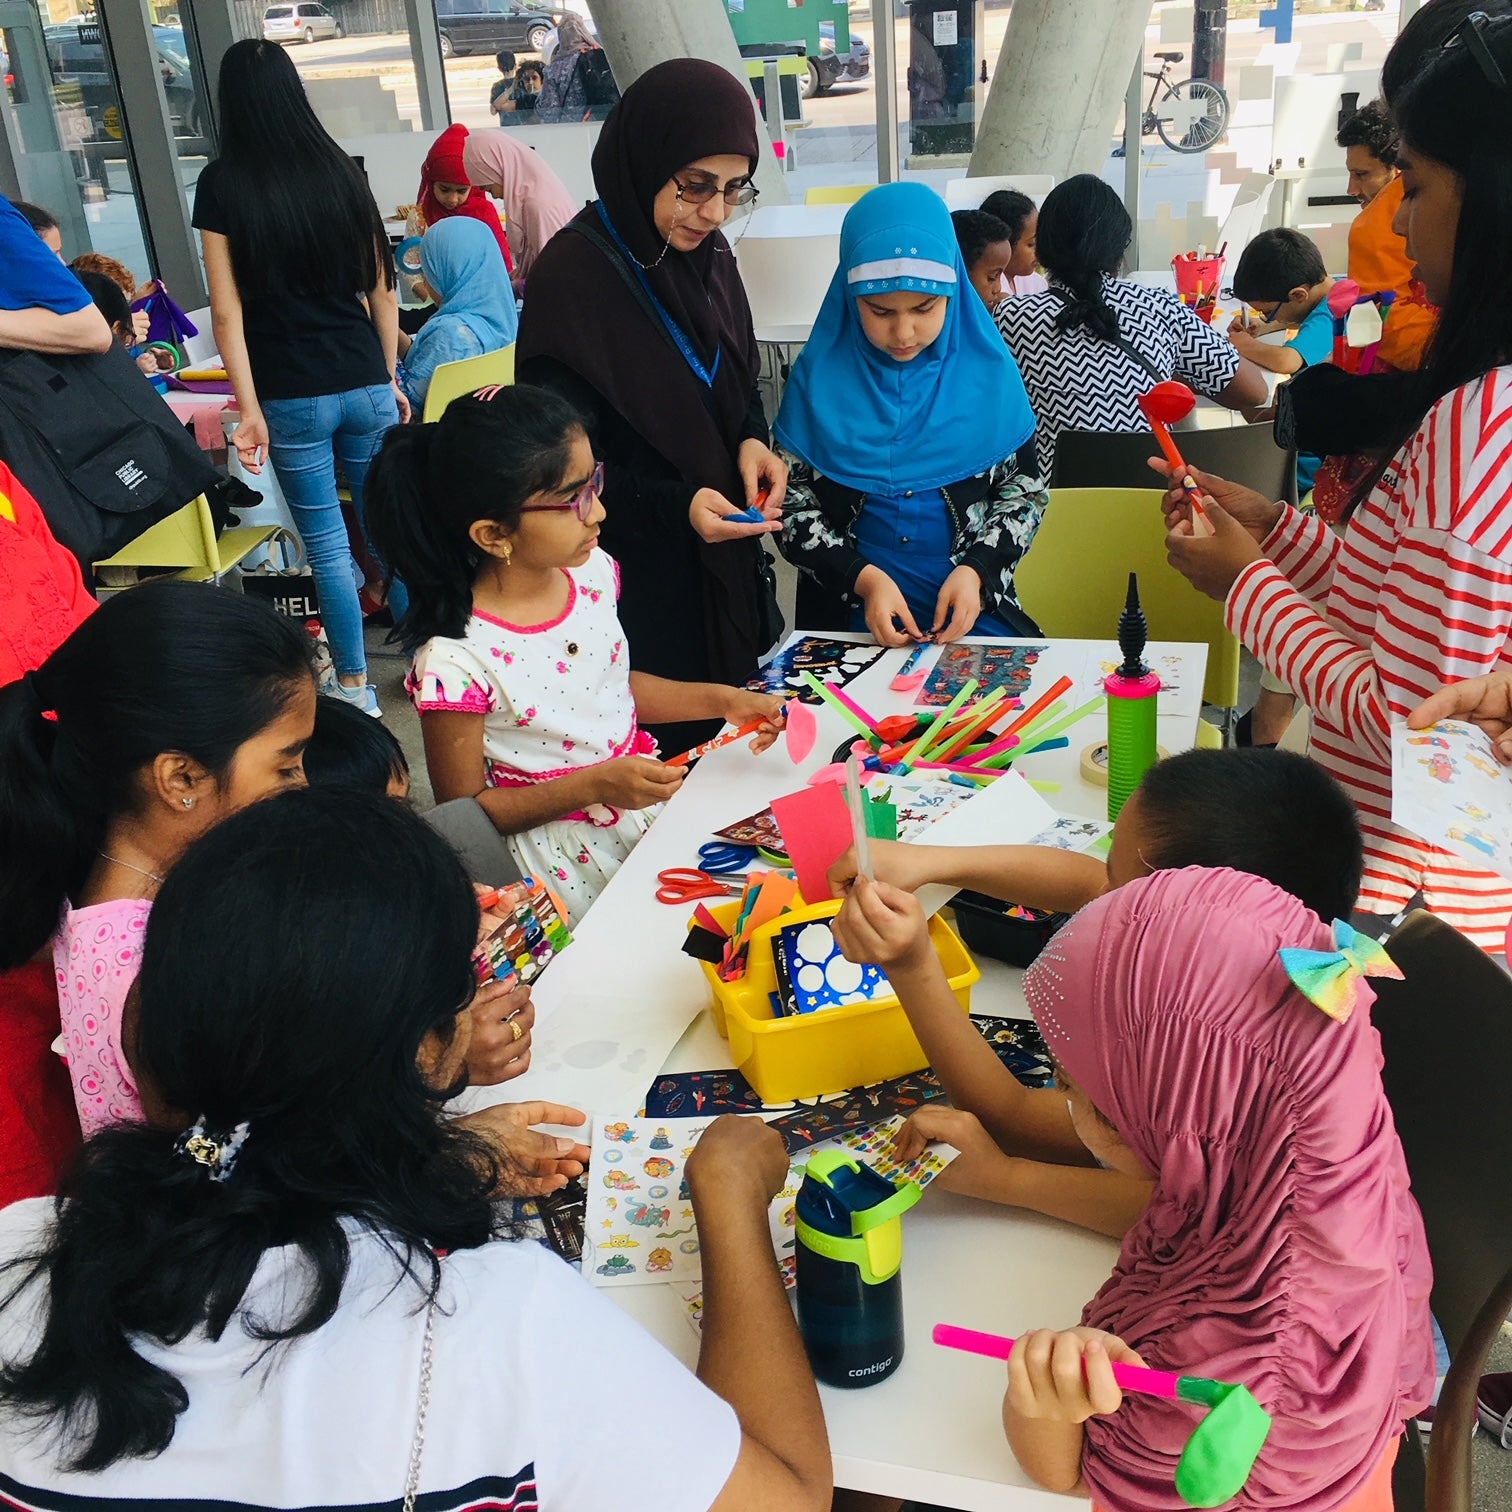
(446, 190)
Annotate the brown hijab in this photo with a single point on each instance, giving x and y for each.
(586, 307)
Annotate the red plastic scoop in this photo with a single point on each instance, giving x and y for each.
(1163, 406)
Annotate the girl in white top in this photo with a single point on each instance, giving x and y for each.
(303, 1298)
(521, 674)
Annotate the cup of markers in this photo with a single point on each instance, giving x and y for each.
(1197, 279)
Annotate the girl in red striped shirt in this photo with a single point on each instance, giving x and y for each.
(1419, 592)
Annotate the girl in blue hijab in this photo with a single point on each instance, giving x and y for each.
(907, 508)
(464, 270)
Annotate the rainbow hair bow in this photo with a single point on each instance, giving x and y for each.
(1331, 978)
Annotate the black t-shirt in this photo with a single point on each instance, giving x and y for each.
(299, 345)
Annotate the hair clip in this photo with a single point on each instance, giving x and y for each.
(216, 1152)
(1331, 979)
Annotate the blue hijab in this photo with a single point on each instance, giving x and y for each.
(463, 265)
(870, 422)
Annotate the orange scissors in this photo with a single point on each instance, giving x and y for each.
(684, 884)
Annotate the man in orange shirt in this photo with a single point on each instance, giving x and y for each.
(1377, 255)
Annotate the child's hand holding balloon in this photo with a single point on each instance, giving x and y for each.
(635, 782)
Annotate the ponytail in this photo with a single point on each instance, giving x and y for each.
(166, 667)
(1084, 232)
(431, 483)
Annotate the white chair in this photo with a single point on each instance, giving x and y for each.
(1247, 219)
(201, 348)
(968, 193)
(787, 255)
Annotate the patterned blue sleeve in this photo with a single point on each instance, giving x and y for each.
(440, 340)
(1313, 342)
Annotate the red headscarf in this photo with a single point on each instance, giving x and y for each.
(1281, 1248)
(443, 165)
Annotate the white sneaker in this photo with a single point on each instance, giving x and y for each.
(365, 696)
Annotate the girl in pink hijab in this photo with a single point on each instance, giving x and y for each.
(536, 202)
(1281, 1248)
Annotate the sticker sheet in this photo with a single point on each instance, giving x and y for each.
(1449, 789)
(760, 830)
(639, 1222)
(1008, 667)
(919, 798)
(1073, 834)
(828, 660)
(1180, 677)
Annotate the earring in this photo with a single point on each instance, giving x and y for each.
(508, 553)
(188, 803)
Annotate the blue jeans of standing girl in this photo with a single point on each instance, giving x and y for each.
(305, 437)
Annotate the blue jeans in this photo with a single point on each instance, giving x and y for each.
(305, 436)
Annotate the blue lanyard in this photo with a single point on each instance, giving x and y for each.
(705, 375)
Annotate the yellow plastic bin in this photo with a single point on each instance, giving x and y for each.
(834, 1048)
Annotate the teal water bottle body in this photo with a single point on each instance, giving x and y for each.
(853, 1331)
(1131, 734)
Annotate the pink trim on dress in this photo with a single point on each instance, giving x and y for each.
(572, 597)
(637, 743)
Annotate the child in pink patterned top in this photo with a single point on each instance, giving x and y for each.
(96, 954)
(522, 676)
(169, 708)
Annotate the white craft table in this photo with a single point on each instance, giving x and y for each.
(612, 1012)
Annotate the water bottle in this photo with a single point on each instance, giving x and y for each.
(849, 1257)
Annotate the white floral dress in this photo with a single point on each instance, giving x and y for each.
(555, 698)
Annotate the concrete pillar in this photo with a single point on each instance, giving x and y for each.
(1058, 86)
(639, 33)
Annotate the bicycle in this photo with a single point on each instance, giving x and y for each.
(1205, 129)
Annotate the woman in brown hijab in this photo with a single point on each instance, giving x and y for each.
(635, 312)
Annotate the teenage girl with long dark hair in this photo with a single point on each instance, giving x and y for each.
(303, 304)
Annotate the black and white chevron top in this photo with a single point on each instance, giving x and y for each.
(1078, 382)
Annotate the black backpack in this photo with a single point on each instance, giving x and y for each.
(101, 453)
(599, 87)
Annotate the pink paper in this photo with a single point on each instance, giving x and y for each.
(816, 832)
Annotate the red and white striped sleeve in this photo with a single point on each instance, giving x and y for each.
(1304, 548)
(1443, 607)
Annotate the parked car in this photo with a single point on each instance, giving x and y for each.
(76, 55)
(489, 25)
(304, 21)
(831, 67)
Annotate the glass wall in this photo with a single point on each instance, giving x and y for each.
(66, 110)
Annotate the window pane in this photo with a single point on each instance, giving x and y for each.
(68, 115)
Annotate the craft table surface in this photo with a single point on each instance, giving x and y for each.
(933, 1431)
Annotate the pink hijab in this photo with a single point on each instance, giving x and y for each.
(536, 202)
(1282, 1248)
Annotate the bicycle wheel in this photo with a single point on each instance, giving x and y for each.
(1207, 127)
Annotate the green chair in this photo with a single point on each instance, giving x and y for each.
(1074, 577)
(453, 379)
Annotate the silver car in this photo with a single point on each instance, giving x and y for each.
(299, 21)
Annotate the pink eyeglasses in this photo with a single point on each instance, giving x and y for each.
(581, 503)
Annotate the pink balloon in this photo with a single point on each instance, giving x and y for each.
(802, 731)
(834, 772)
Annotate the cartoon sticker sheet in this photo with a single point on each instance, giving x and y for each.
(1073, 834)
(639, 1222)
(1449, 789)
(1180, 680)
(1008, 667)
(828, 660)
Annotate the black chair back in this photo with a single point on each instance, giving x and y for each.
(1245, 454)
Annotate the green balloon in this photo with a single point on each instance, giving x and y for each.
(1222, 1451)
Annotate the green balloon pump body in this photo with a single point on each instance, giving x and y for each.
(1131, 692)
(849, 1285)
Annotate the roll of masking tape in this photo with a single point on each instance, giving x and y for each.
(1094, 762)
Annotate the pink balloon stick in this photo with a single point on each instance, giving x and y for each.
(1137, 1378)
(851, 704)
